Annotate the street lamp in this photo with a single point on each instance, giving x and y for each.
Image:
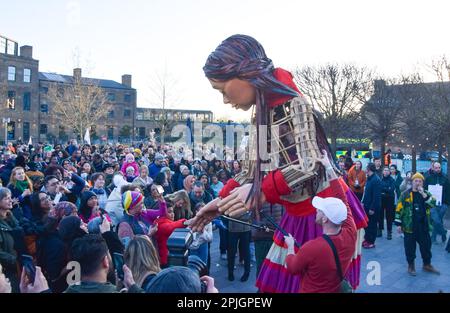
(6, 122)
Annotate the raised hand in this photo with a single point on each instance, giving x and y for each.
(40, 283)
(204, 216)
(105, 226)
(234, 205)
(153, 230)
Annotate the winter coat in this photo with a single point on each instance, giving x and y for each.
(404, 211)
(165, 229)
(351, 179)
(133, 164)
(372, 194)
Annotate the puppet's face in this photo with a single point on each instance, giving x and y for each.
(237, 92)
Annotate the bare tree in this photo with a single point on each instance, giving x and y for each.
(337, 91)
(381, 113)
(165, 95)
(438, 114)
(415, 124)
(79, 105)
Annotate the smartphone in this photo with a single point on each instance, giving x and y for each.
(160, 189)
(118, 264)
(28, 265)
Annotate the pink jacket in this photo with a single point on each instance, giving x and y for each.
(133, 164)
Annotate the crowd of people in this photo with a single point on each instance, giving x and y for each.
(64, 203)
(126, 200)
(408, 203)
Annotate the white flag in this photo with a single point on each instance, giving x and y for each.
(87, 137)
(30, 142)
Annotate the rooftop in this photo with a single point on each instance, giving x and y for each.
(173, 110)
(67, 79)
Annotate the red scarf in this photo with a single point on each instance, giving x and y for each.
(275, 99)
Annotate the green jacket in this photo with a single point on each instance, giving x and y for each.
(7, 252)
(404, 211)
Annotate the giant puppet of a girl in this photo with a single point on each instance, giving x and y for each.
(241, 71)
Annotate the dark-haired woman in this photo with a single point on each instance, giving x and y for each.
(241, 71)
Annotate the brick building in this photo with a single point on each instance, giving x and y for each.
(19, 91)
(25, 109)
(119, 120)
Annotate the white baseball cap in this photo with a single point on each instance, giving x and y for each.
(333, 208)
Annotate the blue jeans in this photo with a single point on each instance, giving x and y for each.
(201, 252)
(437, 216)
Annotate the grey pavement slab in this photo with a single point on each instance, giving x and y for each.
(389, 254)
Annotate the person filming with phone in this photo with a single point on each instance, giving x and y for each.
(91, 252)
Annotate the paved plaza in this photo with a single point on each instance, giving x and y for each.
(390, 255)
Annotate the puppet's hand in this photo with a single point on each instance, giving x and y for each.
(235, 205)
(204, 216)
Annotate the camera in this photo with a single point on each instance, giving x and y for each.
(199, 267)
(178, 245)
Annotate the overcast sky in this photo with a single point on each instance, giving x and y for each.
(115, 37)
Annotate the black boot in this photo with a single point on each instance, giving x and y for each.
(389, 236)
(245, 277)
(412, 270)
(231, 276)
(379, 233)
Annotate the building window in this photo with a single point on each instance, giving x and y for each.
(139, 116)
(43, 129)
(11, 130)
(126, 113)
(141, 132)
(27, 101)
(44, 107)
(12, 73)
(127, 98)
(111, 97)
(11, 102)
(43, 90)
(11, 47)
(148, 116)
(26, 131)
(110, 132)
(111, 114)
(27, 75)
(2, 45)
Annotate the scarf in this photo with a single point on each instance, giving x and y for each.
(22, 185)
